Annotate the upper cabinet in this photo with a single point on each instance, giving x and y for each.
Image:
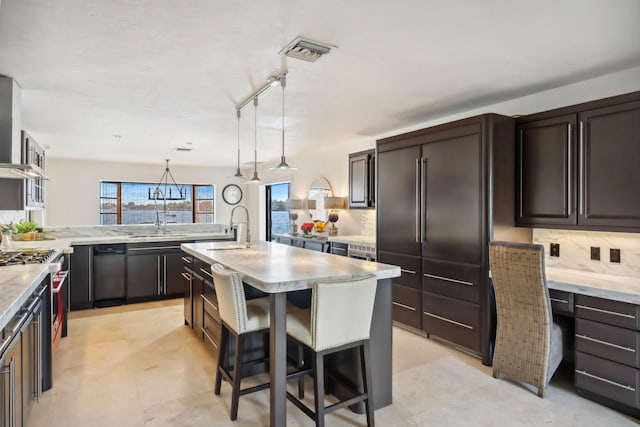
(27, 193)
(362, 183)
(579, 167)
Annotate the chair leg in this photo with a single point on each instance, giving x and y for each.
(318, 381)
(300, 366)
(222, 355)
(237, 374)
(541, 391)
(367, 383)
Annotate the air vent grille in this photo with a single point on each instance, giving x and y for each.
(305, 49)
(183, 149)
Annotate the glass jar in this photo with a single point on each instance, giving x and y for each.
(5, 245)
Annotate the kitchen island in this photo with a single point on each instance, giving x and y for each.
(277, 269)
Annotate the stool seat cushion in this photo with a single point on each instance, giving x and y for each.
(257, 314)
(299, 325)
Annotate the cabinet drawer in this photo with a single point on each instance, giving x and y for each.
(612, 380)
(607, 311)
(210, 304)
(453, 320)
(561, 301)
(284, 240)
(409, 268)
(314, 246)
(455, 280)
(297, 243)
(407, 306)
(609, 342)
(212, 331)
(338, 248)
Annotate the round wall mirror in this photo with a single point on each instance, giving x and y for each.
(319, 189)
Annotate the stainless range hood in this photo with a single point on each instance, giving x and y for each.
(12, 157)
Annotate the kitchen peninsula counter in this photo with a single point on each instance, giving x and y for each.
(277, 269)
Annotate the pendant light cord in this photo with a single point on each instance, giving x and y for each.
(283, 83)
(238, 114)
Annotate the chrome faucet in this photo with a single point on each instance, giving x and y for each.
(248, 228)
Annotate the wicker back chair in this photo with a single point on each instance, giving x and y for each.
(528, 342)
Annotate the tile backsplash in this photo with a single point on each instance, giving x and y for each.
(368, 222)
(9, 216)
(575, 250)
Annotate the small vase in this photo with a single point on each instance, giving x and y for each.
(5, 245)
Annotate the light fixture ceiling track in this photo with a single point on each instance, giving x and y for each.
(271, 82)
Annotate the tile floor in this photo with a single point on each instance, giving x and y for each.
(138, 365)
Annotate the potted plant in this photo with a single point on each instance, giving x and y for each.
(27, 229)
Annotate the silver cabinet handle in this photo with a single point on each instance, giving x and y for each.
(460, 282)
(187, 260)
(408, 307)
(338, 249)
(164, 277)
(561, 301)
(12, 390)
(204, 331)
(186, 275)
(38, 361)
(582, 166)
(423, 200)
(407, 271)
(599, 310)
(418, 237)
(569, 161)
(595, 377)
(632, 350)
(152, 248)
(205, 299)
(90, 279)
(448, 320)
(206, 272)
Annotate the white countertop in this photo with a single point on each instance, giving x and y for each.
(18, 283)
(274, 267)
(618, 288)
(355, 238)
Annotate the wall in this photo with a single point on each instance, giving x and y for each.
(72, 195)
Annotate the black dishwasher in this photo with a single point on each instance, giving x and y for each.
(109, 274)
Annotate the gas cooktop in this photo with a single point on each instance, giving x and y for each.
(26, 256)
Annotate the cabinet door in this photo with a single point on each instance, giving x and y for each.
(81, 278)
(610, 166)
(397, 202)
(452, 188)
(198, 309)
(143, 275)
(173, 280)
(359, 181)
(11, 366)
(546, 172)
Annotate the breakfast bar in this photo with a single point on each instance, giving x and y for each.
(277, 269)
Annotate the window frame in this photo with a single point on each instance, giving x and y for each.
(118, 200)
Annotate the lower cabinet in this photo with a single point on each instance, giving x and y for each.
(81, 283)
(320, 244)
(607, 359)
(154, 271)
(11, 383)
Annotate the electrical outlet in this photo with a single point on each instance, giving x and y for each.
(595, 253)
(614, 255)
(554, 249)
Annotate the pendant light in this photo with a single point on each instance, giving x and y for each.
(238, 174)
(255, 179)
(283, 165)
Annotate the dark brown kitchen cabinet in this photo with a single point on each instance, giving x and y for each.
(607, 343)
(579, 166)
(362, 182)
(443, 193)
(81, 283)
(547, 172)
(153, 271)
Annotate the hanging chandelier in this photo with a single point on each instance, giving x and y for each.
(167, 188)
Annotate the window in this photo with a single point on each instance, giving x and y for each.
(277, 212)
(133, 203)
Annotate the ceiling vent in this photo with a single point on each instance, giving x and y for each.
(183, 149)
(305, 49)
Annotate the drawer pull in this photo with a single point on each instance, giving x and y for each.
(595, 377)
(606, 343)
(448, 320)
(561, 301)
(185, 259)
(204, 331)
(186, 276)
(206, 272)
(461, 282)
(209, 302)
(407, 271)
(408, 307)
(338, 249)
(599, 310)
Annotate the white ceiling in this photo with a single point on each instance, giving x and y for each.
(161, 73)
